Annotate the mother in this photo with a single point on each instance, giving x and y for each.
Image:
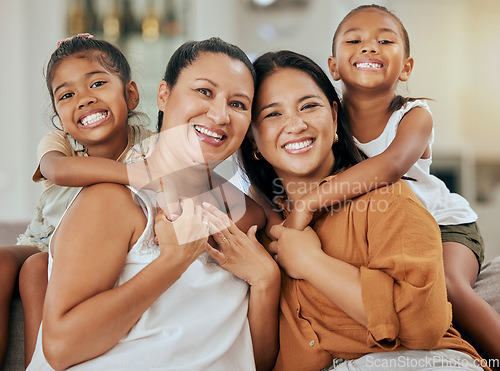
(115, 299)
(366, 282)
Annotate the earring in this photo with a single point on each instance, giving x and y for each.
(335, 138)
(256, 155)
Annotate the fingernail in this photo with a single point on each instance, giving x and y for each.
(206, 204)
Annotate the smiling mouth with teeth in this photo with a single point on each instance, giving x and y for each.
(368, 65)
(90, 119)
(298, 145)
(207, 132)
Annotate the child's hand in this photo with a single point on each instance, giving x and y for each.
(185, 238)
(300, 217)
(295, 250)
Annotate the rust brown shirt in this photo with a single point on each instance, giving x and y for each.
(396, 244)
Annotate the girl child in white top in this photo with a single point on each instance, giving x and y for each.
(117, 300)
(93, 95)
(371, 54)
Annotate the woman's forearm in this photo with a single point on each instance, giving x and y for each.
(300, 255)
(263, 319)
(98, 323)
(340, 282)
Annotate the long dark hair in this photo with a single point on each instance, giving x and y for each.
(189, 52)
(260, 172)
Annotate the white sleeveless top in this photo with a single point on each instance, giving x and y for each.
(446, 207)
(199, 323)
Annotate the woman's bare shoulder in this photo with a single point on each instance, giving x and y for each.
(106, 208)
(110, 196)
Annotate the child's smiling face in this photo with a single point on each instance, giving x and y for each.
(91, 102)
(370, 51)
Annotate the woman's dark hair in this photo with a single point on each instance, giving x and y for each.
(398, 101)
(189, 52)
(260, 172)
(85, 47)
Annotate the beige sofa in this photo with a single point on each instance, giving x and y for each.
(14, 360)
(15, 351)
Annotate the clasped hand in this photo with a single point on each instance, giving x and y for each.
(295, 250)
(188, 231)
(186, 237)
(240, 253)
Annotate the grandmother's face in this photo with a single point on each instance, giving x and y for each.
(208, 111)
(294, 125)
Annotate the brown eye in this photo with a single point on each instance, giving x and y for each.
(97, 84)
(239, 105)
(272, 114)
(66, 96)
(206, 92)
(309, 105)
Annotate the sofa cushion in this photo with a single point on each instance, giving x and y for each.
(488, 283)
(14, 359)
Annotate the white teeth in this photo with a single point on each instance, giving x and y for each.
(298, 145)
(90, 119)
(369, 65)
(210, 133)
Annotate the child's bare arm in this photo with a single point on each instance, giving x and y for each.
(410, 144)
(81, 171)
(254, 215)
(72, 171)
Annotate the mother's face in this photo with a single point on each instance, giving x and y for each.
(294, 125)
(208, 111)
